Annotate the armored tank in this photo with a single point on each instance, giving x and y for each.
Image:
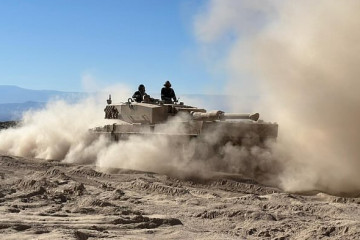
(153, 117)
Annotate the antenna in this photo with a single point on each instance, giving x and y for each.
(109, 100)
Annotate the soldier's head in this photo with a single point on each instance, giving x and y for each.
(141, 88)
(167, 84)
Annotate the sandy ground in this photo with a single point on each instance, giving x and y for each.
(42, 199)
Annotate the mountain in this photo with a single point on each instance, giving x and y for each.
(14, 94)
(13, 111)
(15, 100)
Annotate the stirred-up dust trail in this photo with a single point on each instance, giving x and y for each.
(61, 131)
(303, 57)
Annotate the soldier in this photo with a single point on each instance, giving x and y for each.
(139, 95)
(167, 93)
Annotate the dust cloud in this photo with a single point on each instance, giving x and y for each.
(195, 159)
(61, 131)
(302, 56)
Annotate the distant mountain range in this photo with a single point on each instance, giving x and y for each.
(13, 111)
(16, 100)
(14, 94)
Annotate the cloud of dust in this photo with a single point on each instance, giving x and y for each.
(176, 156)
(61, 131)
(303, 57)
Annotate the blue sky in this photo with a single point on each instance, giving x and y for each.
(54, 44)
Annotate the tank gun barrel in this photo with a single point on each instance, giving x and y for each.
(219, 115)
(253, 117)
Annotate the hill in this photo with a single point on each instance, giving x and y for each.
(13, 111)
(15, 94)
(15, 100)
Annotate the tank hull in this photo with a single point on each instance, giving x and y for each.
(237, 132)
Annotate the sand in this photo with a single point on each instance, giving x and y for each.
(41, 199)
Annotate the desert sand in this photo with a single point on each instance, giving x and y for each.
(42, 199)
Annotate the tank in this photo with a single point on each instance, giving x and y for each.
(157, 118)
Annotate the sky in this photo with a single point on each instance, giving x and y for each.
(85, 45)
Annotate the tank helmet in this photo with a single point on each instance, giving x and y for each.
(141, 86)
(167, 84)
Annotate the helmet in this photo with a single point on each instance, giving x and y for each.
(167, 84)
(141, 86)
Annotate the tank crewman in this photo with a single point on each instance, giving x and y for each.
(167, 93)
(138, 96)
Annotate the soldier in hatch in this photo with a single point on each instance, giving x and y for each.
(139, 95)
(167, 93)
